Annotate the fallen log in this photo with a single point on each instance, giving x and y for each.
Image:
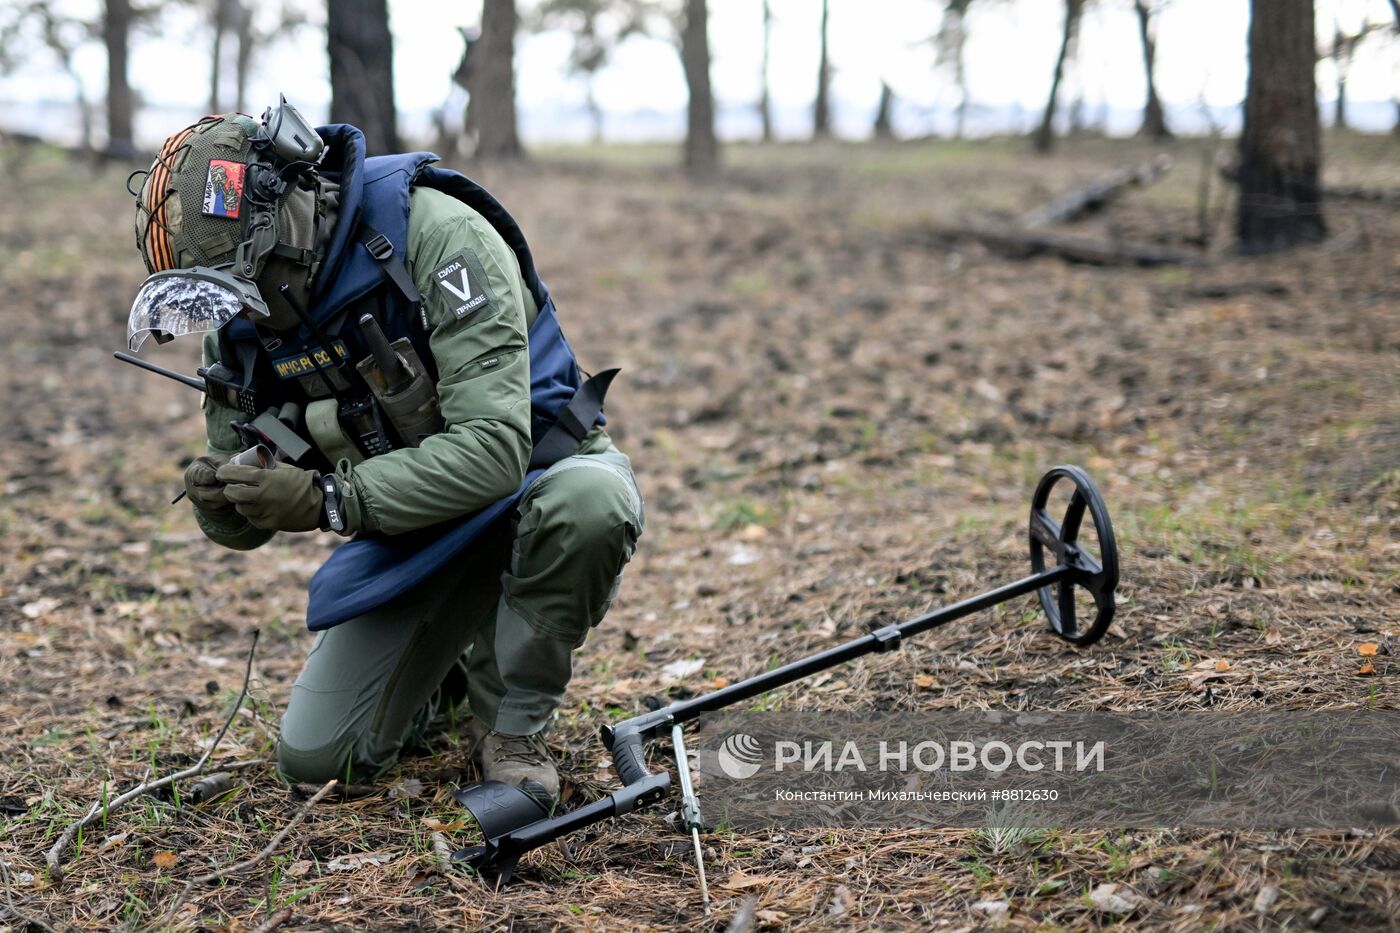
(1096, 195)
(1357, 193)
(1023, 244)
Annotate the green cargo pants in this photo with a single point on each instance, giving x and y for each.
(505, 616)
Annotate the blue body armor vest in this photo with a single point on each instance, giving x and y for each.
(363, 269)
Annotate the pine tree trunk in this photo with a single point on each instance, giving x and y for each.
(765, 100)
(492, 83)
(1339, 116)
(884, 128)
(242, 64)
(216, 54)
(701, 147)
(1280, 197)
(1044, 139)
(116, 32)
(362, 70)
(821, 110)
(84, 108)
(1154, 119)
(1341, 58)
(960, 114)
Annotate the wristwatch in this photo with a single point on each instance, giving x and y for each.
(334, 516)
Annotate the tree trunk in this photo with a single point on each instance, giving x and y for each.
(116, 31)
(1339, 116)
(821, 110)
(216, 54)
(1044, 139)
(1280, 198)
(960, 77)
(1342, 47)
(595, 112)
(492, 83)
(951, 41)
(765, 100)
(84, 107)
(464, 78)
(246, 40)
(701, 147)
(1395, 8)
(1154, 119)
(884, 128)
(361, 51)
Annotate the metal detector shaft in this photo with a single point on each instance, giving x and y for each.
(650, 725)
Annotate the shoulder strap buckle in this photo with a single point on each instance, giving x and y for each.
(392, 266)
(379, 247)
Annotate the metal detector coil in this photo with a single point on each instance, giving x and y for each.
(1098, 576)
(514, 823)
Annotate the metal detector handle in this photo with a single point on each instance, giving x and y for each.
(640, 787)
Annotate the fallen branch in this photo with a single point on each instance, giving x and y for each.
(1357, 193)
(263, 855)
(55, 855)
(1023, 244)
(1096, 195)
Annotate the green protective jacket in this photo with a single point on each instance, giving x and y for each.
(483, 388)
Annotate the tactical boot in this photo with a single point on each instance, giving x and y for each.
(519, 760)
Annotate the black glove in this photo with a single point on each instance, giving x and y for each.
(285, 498)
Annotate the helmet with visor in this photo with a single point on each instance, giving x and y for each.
(228, 203)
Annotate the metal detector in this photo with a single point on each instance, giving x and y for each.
(513, 822)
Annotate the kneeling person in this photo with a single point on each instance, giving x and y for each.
(381, 322)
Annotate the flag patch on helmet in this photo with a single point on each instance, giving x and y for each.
(223, 188)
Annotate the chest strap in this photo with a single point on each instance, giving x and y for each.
(391, 265)
(573, 422)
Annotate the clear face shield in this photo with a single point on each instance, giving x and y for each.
(189, 301)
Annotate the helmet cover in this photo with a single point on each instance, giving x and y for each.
(190, 210)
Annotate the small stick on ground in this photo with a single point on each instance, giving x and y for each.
(54, 856)
(276, 921)
(263, 855)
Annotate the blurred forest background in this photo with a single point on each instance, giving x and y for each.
(49, 43)
(977, 245)
(89, 51)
